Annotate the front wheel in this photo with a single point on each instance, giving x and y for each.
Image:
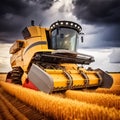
(15, 75)
(9, 78)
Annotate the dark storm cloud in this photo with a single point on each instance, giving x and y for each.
(108, 36)
(8, 10)
(98, 11)
(45, 4)
(112, 37)
(12, 6)
(101, 13)
(15, 15)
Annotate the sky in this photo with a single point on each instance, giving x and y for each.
(100, 21)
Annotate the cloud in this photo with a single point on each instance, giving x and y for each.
(97, 11)
(60, 10)
(104, 16)
(100, 19)
(115, 55)
(15, 15)
(103, 58)
(5, 58)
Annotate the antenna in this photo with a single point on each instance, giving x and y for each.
(32, 22)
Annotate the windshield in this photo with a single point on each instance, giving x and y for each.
(64, 38)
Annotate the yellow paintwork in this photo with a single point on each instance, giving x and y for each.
(34, 31)
(15, 47)
(59, 78)
(22, 57)
(93, 80)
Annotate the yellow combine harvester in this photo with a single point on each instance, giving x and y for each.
(46, 60)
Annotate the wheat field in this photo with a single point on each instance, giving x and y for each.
(3, 76)
(61, 108)
(101, 104)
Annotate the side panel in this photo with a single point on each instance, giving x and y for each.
(33, 48)
(34, 44)
(16, 59)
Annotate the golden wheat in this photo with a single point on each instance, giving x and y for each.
(116, 83)
(105, 100)
(116, 78)
(3, 76)
(108, 91)
(61, 108)
(12, 109)
(4, 112)
(115, 88)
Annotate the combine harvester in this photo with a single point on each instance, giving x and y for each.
(46, 60)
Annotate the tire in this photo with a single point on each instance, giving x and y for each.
(16, 75)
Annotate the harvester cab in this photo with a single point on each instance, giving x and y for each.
(47, 60)
(65, 35)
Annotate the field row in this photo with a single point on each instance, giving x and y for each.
(64, 108)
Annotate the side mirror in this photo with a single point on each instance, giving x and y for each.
(82, 38)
